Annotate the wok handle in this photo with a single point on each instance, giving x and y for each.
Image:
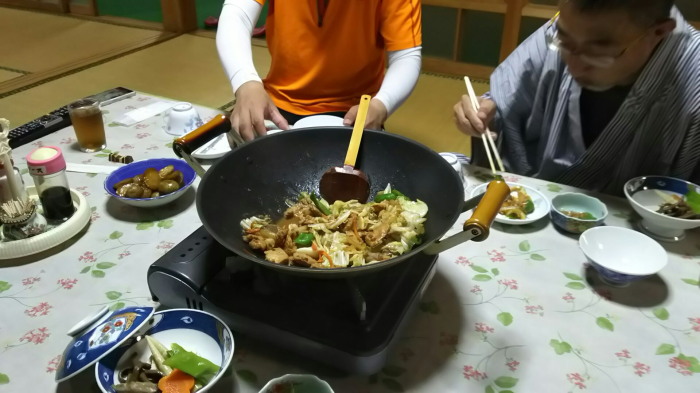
(496, 193)
(476, 228)
(191, 141)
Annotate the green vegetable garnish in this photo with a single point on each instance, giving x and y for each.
(394, 194)
(587, 216)
(383, 197)
(529, 206)
(692, 198)
(323, 208)
(200, 368)
(304, 239)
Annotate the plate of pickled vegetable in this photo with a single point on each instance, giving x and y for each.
(524, 205)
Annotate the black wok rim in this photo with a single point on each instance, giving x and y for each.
(254, 256)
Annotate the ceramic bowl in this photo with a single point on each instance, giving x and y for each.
(195, 331)
(579, 203)
(181, 119)
(646, 193)
(538, 199)
(622, 255)
(297, 383)
(137, 168)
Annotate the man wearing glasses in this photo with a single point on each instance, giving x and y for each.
(606, 91)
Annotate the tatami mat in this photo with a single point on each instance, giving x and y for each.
(426, 116)
(187, 68)
(6, 75)
(37, 42)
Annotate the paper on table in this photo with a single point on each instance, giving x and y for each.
(141, 114)
(90, 168)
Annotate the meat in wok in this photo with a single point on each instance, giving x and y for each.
(314, 234)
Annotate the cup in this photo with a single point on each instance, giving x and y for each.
(86, 116)
(181, 119)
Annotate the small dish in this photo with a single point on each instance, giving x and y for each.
(574, 202)
(540, 202)
(217, 147)
(196, 331)
(621, 255)
(646, 194)
(319, 121)
(297, 383)
(138, 168)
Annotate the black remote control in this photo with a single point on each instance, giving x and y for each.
(35, 129)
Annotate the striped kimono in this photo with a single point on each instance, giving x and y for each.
(655, 131)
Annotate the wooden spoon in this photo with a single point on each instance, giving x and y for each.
(346, 183)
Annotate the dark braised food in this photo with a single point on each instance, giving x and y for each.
(151, 183)
(678, 209)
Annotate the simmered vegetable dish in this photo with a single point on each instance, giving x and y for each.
(168, 371)
(151, 183)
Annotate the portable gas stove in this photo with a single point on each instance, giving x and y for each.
(350, 324)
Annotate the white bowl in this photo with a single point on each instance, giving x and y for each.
(195, 331)
(643, 195)
(540, 201)
(622, 255)
(297, 383)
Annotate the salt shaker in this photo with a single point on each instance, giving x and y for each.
(48, 169)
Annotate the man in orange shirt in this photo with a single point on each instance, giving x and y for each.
(325, 55)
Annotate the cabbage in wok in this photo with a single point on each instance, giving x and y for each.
(344, 234)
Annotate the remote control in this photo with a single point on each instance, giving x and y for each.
(35, 129)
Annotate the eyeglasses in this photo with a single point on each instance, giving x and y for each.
(600, 61)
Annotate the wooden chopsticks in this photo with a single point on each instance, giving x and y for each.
(489, 144)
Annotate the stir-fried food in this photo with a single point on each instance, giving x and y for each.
(518, 204)
(344, 234)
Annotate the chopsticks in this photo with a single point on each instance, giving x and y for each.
(486, 136)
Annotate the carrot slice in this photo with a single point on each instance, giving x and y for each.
(176, 382)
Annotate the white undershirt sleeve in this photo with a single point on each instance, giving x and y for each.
(400, 78)
(233, 35)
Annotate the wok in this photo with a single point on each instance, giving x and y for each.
(261, 176)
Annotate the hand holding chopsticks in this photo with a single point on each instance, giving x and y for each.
(489, 144)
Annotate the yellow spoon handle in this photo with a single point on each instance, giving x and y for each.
(357, 130)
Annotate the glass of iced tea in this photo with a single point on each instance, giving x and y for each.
(86, 117)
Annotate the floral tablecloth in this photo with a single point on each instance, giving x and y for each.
(519, 312)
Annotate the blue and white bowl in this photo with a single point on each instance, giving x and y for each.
(646, 193)
(573, 201)
(139, 167)
(621, 255)
(194, 330)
